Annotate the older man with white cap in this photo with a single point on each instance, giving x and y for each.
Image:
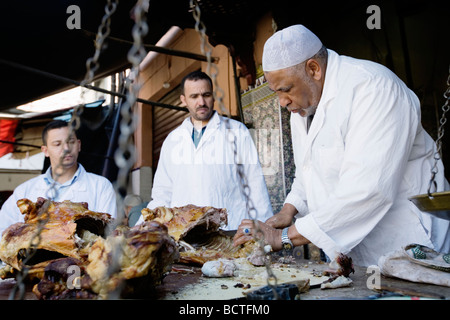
(359, 160)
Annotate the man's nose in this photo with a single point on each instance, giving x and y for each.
(201, 101)
(67, 146)
(284, 101)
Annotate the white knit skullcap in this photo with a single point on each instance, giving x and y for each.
(289, 47)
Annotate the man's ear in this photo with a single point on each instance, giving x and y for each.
(183, 99)
(44, 150)
(314, 69)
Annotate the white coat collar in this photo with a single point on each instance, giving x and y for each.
(49, 179)
(329, 91)
(79, 178)
(213, 125)
(330, 86)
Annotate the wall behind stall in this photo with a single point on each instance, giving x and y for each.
(269, 124)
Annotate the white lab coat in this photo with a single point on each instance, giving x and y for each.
(207, 175)
(366, 152)
(95, 190)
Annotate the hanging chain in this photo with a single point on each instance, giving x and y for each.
(440, 135)
(218, 94)
(125, 154)
(92, 64)
(126, 151)
(74, 124)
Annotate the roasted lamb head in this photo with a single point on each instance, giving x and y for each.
(188, 221)
(197, 232)
(131, 260)
(129, 263)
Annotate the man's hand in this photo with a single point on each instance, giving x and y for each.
(283, 218)
(246, 232)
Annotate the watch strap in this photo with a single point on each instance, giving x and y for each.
(285, 241)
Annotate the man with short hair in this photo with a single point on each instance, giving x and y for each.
(199, 160)
(65, 179)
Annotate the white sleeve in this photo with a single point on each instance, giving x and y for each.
(108, 201)
(162, 183)
(296, 196)
(10, 213)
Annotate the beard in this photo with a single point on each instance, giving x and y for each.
(306, 112)
(315, 96)
(205, 115)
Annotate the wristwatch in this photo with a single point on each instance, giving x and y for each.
(285, 241)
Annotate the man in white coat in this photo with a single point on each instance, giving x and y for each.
(199, 160)
(357, 161)
(65, 179)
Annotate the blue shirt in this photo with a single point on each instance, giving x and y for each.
(197, 135)
(59, 190)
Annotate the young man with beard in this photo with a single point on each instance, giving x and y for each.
(199, 160)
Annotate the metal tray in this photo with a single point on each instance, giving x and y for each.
(437, 205)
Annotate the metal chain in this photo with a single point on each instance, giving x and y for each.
(125, 154)
(440, 135)
(218, 94)
(103, 32)
(92, 64)
(126, 151)
(74, 124)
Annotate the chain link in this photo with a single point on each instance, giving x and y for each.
(440, 135)
(218, 93)
(126, 152)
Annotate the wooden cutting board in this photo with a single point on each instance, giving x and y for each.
(249, 279)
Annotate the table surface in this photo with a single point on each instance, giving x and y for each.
(359, 289)
(181, 276)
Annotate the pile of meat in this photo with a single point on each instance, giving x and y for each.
(196, 230)
(78, 256)
(74, 259)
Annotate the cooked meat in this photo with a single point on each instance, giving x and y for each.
(131, 260)
(189, 219)
(139, 255)
(196, 230)
(62, 280)
(62, 234)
